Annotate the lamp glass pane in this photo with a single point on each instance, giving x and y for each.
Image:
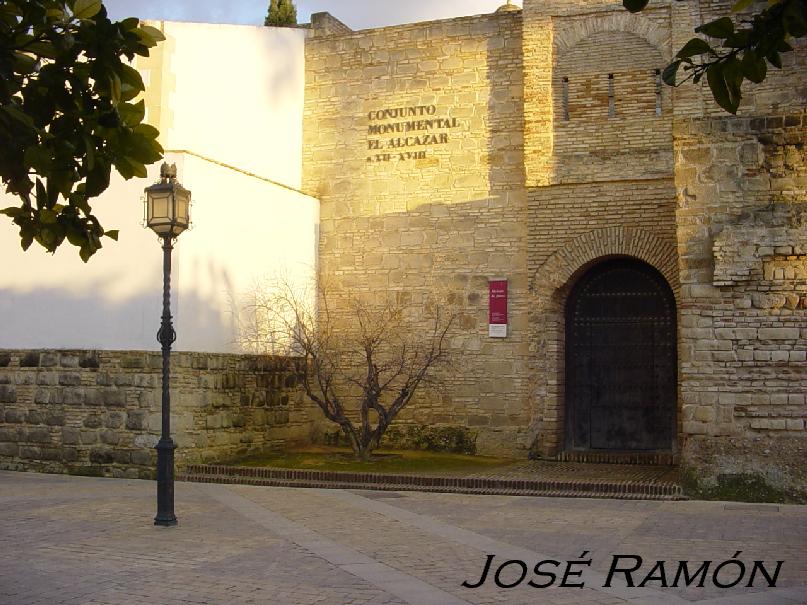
(160, 208)
(183, 200)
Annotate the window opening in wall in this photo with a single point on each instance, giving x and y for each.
(611, 99)
(565, 99)
(658, 92)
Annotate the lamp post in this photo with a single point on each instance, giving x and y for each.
(167, 212)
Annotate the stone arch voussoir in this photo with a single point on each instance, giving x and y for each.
(559, 268)
(569, 36)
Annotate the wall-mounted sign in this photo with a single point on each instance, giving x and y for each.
(497, 305)
(406, 133)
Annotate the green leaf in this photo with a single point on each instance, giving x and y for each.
(149, 35)
(132, 115)
(720, 28)
(720, 90)
(146, 130)
(695, 46)
(13, 212)
(114, 87)
(113, 234)
(775, 59)
(130, 23)
(741, 5)
(86, 9)
(129, 75)
(668, 76)
(85, 252)
(47, 216)
(635, 6)
(754, 68)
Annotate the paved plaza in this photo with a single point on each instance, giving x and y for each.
(91, 541)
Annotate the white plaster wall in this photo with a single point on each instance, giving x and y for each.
(244, 230)
(230, 93)
(235, 94)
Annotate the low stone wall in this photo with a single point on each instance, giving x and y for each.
(98, 412)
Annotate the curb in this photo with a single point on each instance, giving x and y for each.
(274, 477)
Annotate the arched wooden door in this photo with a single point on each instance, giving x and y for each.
(621, 361)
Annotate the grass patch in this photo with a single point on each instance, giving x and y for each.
(325, 458)
(738, 488)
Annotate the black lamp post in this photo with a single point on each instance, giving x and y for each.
(168, 214)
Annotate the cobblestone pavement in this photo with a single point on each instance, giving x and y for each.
(90, 541)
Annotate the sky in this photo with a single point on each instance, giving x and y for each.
(357, 14)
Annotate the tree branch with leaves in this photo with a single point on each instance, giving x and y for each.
(730, 51)
(68, 115)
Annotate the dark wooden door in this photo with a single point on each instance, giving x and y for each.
(621, 362)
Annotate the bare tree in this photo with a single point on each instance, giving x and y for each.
(365, 357)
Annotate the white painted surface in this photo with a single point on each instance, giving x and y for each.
(230, 93)
(236, 94)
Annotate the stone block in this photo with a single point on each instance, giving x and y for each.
(37, 436)
(89, 361)
(73, 396)
(70, 379)
(69, 360)
(89, 437)
(143, 458)
(30, 452)
(9, 435)
(102, 455)
(213, 421)
(49, 360)
(796, 424)
(69, 454)
(114, 398)
(5, 360)
(30, 360)
(15, 416)
(51, 453)
(779, 333)
(109, 437)
(71, 436)
(8, 394)
(122, 456)
(35, 417)
(55, 417)
(114, 420)
(704, 414)
(45, 396)
(133, 361)
(9, 449)
(137, 420)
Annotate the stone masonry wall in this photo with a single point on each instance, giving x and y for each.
(98, 412)
(404, 212)
(742, 224)
(599, 167)
(741, 186)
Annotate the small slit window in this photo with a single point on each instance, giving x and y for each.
(611, 98)
(659, 99)
(565, 93)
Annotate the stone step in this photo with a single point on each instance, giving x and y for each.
(566, 488)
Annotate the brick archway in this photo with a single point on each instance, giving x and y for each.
(568, 36)
(550, 288)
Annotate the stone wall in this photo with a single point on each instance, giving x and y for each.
(436, 214)
(741, 186)
(599, 167)
(742, 230)
(98, 412)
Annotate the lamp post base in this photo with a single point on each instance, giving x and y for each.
(165, 483)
